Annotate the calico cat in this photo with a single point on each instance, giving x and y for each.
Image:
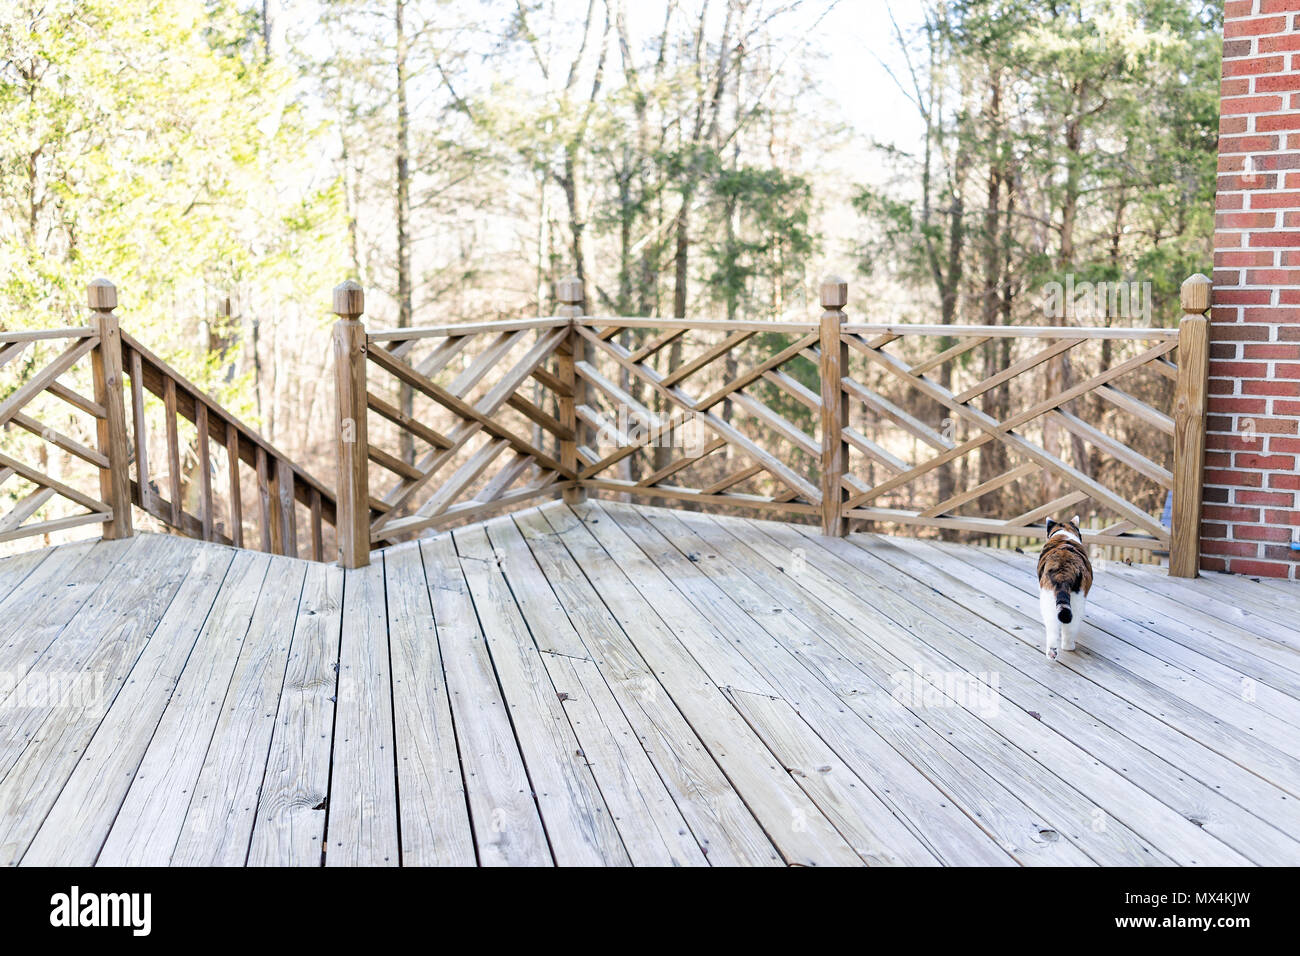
(1064, 579)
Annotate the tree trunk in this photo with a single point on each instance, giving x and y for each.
(404, 293)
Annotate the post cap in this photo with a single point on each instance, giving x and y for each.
(569, 290)
(101, 295)
(349, 299)
(835, 292)
(1194, 294)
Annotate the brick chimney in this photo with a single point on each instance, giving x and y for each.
(1252, 484)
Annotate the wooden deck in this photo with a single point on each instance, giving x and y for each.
(612, 684)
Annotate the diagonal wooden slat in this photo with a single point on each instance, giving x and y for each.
(732, 480)
(1137, 408)
(778, 423)
(970, 494)
(11, 352)
(25, 508)
(1116, 449)
(676, 396)
(508, 474)
(42, 379)
(416, 427)
(476, 417)
(77, 400)
(657, 344)
(891, 411)
(681, 464)
(627, 446)
(1003, 430)
(751, 376)
(59, 440)
(1018, 368)
(1047, 510)
(45, 481)
(796, 390)
(874, 451)
(947, 355)
(462, 408)
(485, 361)
(708, 357)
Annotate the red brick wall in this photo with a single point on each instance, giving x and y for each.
(1253, 442)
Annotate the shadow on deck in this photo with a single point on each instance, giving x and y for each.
(612, 684)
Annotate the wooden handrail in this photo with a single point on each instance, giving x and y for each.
(588, 365)
(518, 409)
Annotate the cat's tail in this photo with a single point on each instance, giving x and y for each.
(1063, 612)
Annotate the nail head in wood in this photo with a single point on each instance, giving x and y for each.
(1194, 295)
(349, 299)
(101, 295)
(835, 292)
(569, 290)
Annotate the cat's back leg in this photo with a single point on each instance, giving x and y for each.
(1051, 626)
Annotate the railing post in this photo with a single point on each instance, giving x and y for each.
(353, 505)
(835, 405)
(572, 350)
(1190, 400)
(106, 368)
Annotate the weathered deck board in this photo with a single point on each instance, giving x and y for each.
(578, 823)
(434, 815)
(223, 805)
(1056, 808)
(627, 779)
(291, 810)
(84, 812)
(1201, 784)
(507, 827)
(361, 820)
(98, 647)
(603, 605)
(610, 683)
(154, 810)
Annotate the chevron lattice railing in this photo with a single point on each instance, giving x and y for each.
(897, 425)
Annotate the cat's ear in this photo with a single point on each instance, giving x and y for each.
(1050, 525)
(1075, 521)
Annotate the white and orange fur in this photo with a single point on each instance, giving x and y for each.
(1064, 580)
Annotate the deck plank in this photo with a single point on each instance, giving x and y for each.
(84, 812)
(1139, 829)
(578, 822)
(1275, 741)
(38, 609)
(841, 795)
(1219, 653)
(1127, 729)
(605, 608)
(223, 804)
(15, 568)
(361, 819)
(792, 820)
(615, 683)
(507, 828)
(434, 816)
(99, 647)
(930, 740)
(291, 810)
(153, 812)
(628, 781)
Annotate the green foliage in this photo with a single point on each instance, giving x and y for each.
(152, 143)
(1098, 121)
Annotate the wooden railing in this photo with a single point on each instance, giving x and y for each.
(833, 420)
(793, 418)
(262, 501)
(36, 395)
